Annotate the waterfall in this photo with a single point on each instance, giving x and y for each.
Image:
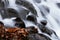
(52, 16)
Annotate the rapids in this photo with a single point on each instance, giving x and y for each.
(46, 10)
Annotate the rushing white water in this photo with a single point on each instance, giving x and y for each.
(49, 16)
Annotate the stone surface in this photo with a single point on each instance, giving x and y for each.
(16, 33)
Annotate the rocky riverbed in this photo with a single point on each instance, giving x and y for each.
(29, 33)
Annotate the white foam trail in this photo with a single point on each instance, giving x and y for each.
(8, 22)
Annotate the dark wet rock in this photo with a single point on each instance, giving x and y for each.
(32, 18)
(58, 4)
(44, 29)
(1, 3)
(28, 5)
(37, 1)
(38, 37)
(32, 29)
(12, 12)
(19, 22)
(44, 22)
(18, 19)
(1, 25)
(34, 35)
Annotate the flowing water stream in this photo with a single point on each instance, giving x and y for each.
(53, 16)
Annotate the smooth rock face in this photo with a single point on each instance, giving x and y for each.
(30, 6)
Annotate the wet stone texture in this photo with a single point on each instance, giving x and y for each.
(29, 33)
